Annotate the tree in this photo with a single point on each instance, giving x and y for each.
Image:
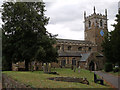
(115, 39)
(111, 43)
(107, 47)
(24, 32)
(0, 49)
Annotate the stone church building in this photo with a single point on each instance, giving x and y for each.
(84, 53)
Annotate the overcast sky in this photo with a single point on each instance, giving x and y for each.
(66, 16)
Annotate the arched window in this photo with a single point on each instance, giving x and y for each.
(69, 48)
(67, 60)
(96, 22)
(89, 49)
(89, 23)
(80, 49)
(101, 23)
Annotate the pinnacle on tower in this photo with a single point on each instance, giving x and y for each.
(94, 9)
(84, 14)
(106, 12)
(118, 5)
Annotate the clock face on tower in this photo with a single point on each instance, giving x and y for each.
(101, 32)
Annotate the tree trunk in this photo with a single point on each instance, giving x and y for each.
(26, 65)
(35, 66)
(30, 66)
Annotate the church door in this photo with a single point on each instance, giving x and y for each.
(91, 66)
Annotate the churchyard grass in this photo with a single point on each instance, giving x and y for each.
(38, 79)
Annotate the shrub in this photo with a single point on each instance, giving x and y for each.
(116, 69)
(108, 67)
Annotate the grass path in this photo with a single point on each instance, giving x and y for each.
(38, 79)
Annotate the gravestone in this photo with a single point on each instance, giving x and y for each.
(49, 67)
(74, 68)
(44, 67)
(79, 69)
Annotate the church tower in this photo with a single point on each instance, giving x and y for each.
(119, 5)
(95, 28)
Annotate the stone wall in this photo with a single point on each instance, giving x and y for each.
(83, 64)
(75, 47)
(8, 82)
(68, 61)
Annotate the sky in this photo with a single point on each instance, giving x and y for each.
(66, 16)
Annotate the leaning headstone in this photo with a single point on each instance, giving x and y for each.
(44, 67)
(17, 66)
(32, 68)
(74, 68)
(49, 67)
(79, 69)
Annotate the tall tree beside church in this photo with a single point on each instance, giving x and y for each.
(111, 44)
(24, 32)
(115, 39)
(107, 47)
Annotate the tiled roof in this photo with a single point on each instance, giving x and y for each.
(85, 56)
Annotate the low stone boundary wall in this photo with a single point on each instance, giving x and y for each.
(8, 82)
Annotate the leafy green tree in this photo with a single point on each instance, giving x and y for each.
(111, 43)
(0, 50)
(115, 39)
(24, 32)
(107, 47)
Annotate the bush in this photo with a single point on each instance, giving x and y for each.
(116, 69)
(108, 67)
(6, 66)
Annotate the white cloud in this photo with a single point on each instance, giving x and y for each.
(65, 32)
(66, 17)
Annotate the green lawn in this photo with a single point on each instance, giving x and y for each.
(38, 79)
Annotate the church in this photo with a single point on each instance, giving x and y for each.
(88, 53)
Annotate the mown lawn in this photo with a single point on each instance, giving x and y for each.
(38, 79)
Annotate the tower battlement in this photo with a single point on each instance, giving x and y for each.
(96, 15)
(95, 27)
